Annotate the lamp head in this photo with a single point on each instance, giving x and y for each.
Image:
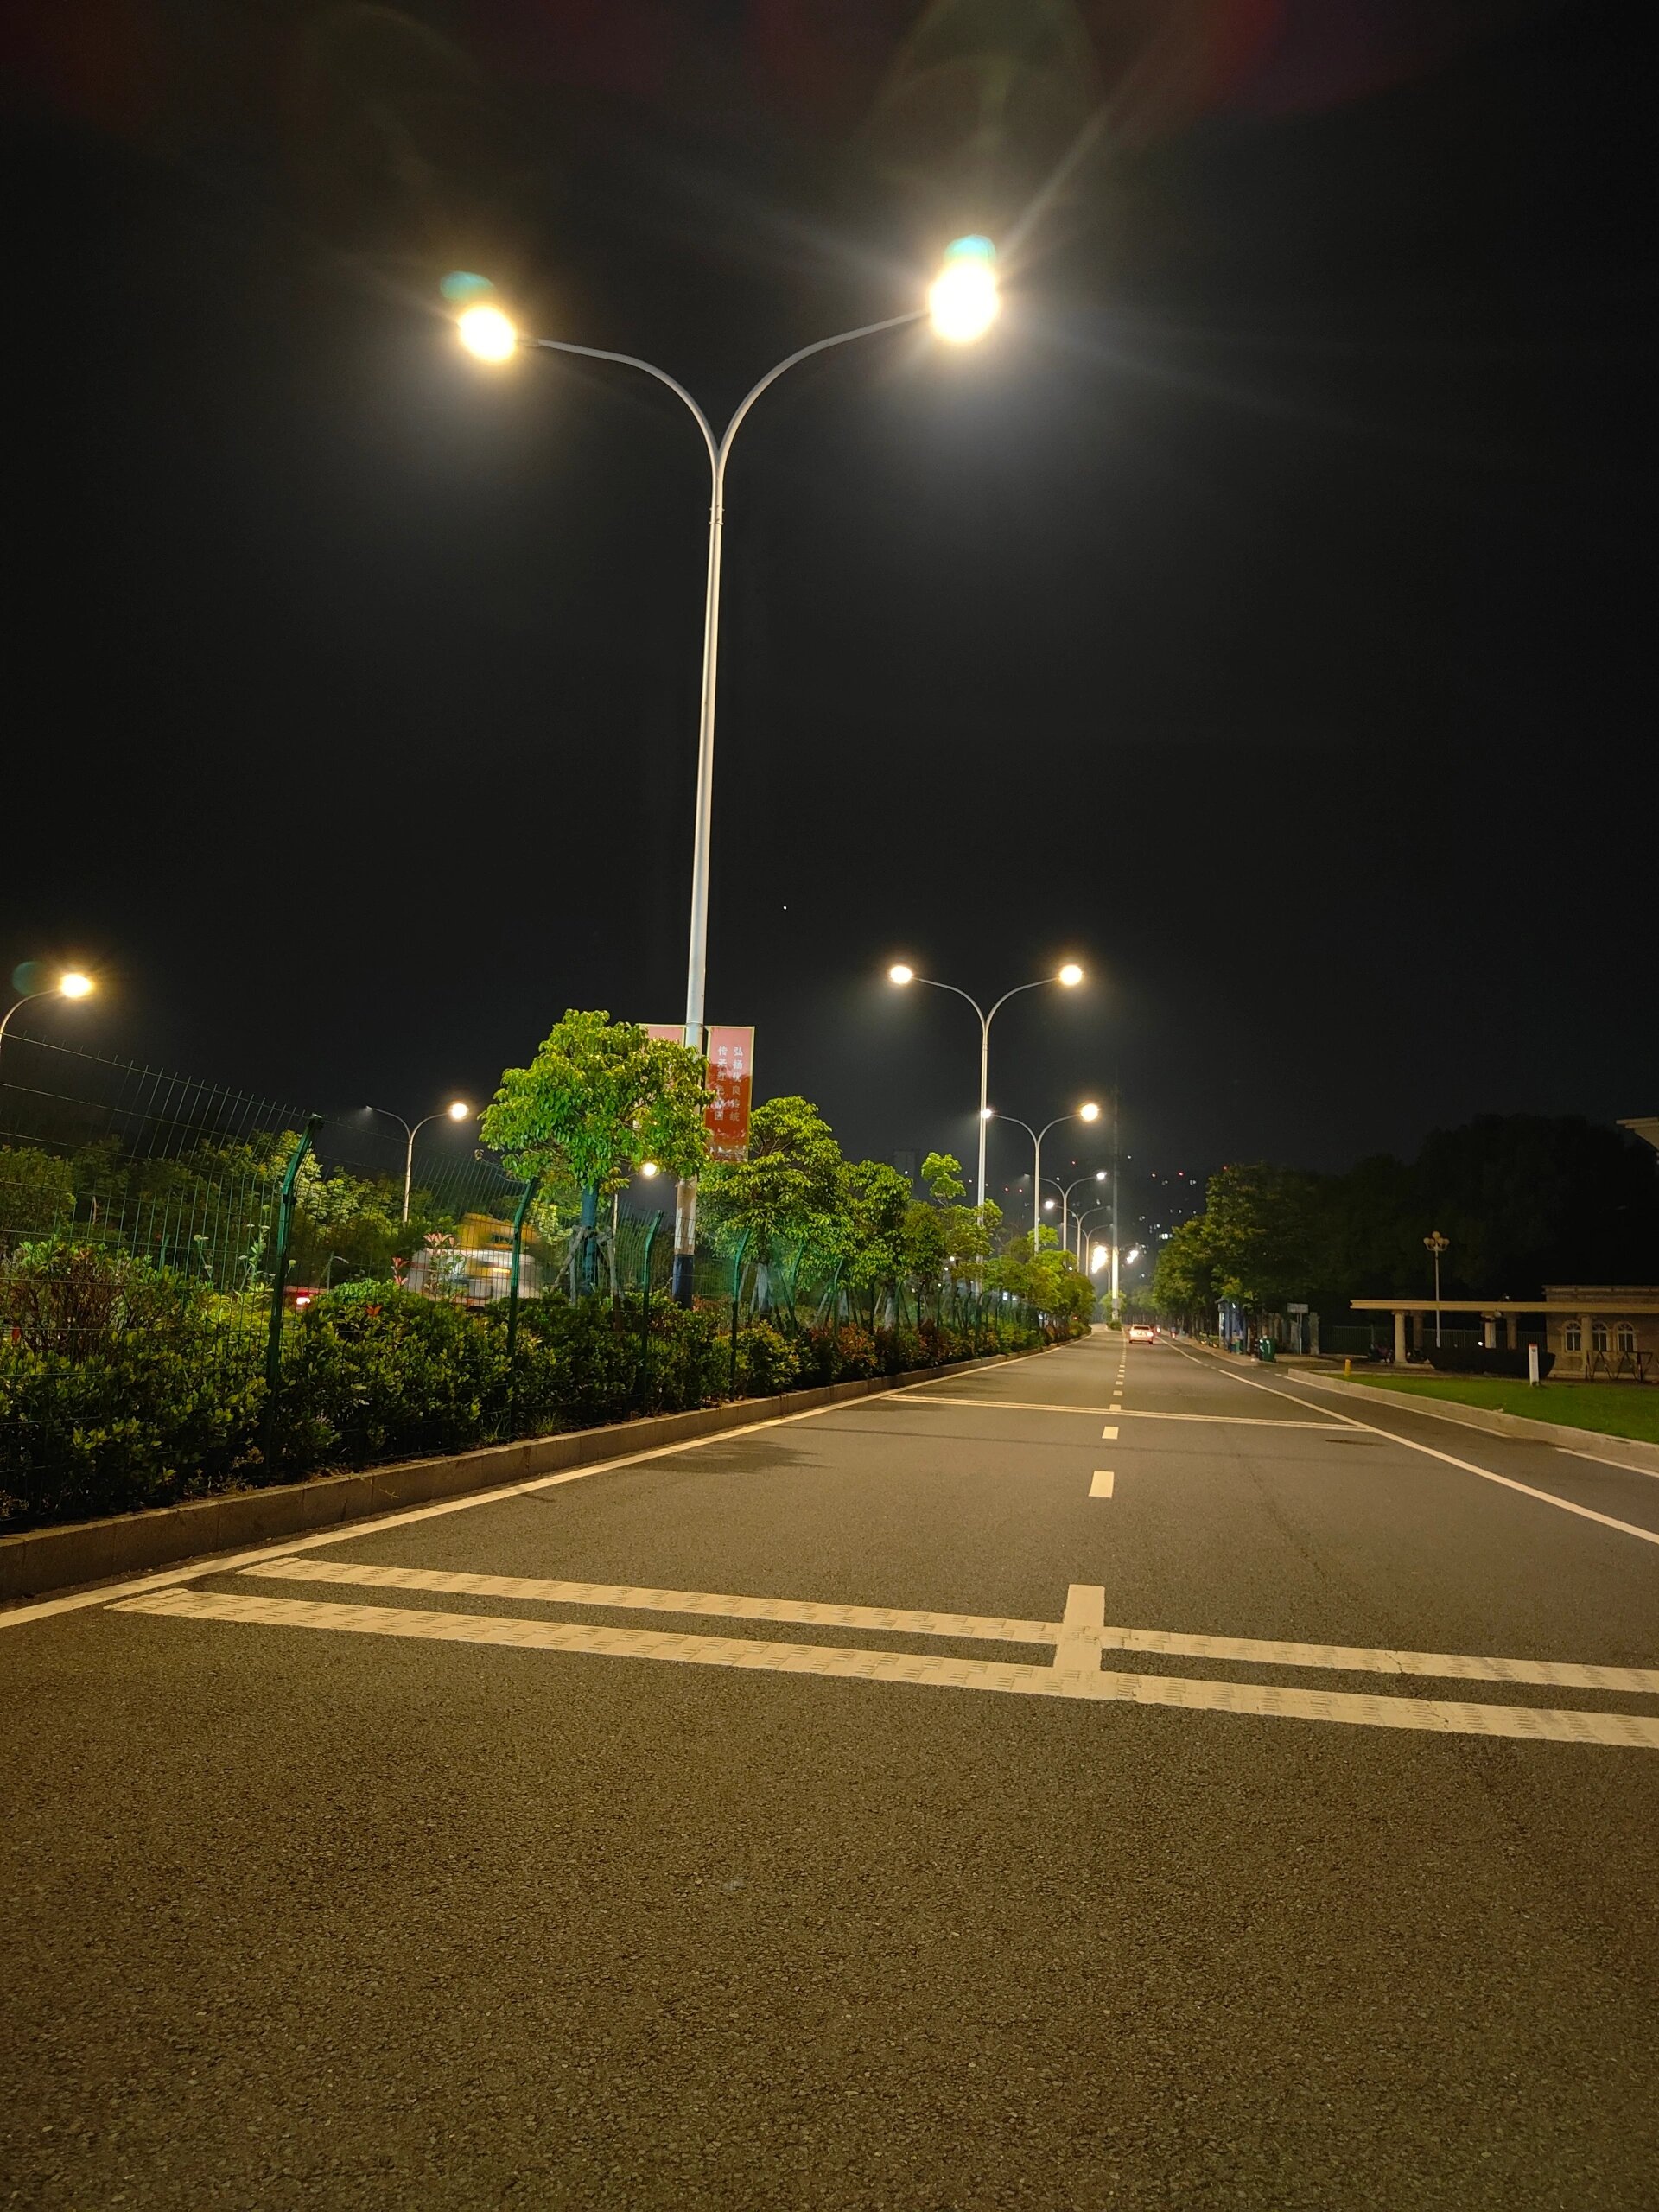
(900, 974)
(74, 985)
(963, 300)
(1089, 1112)
(648, 1167)
(1100, 1174)
(488, 335)
(1071, 975)
(988, 1113)
(460, 1110)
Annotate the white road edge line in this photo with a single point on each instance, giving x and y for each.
(224, 1563)
(1076, 1672)
(1468, 1466)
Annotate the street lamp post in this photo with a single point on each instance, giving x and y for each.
(961, 305)
(1436, 1244)
(1070, 975)
(1083, 1240)
(1065, 1191)
(457, 1110)
(1087, 1112)
(73, 985)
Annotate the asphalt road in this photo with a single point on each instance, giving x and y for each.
(1123, 1856)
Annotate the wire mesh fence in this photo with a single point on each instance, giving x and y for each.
(200, 1290)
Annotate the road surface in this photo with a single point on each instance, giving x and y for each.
(1111, 1779)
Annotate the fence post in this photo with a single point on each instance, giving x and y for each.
(513, 1266)
(279, 1282)
(737, 1294)
(643, 1388)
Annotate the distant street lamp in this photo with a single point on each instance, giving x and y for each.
(71, 985)
(1083, 1219)
(962, 304)
(1065, 1191)
(1436, 1244)
(1087, 1112)
(457, 1110)
(1070, 975)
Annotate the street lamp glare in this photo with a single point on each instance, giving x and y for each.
(74, 985)
(1071, 975)
(988, 1113)
(963, 299)
(1089, 1112)
(648, 1167)
(488, 335)
(1100, 1175)
(460, 1111)
(900, 974)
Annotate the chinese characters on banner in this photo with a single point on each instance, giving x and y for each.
(731, 1070)
(731, 1065)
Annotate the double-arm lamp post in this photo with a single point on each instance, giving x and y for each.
(961, 305)
(1065, 1191)
(1070, 975)
(457, 1110)
(1087, 1112)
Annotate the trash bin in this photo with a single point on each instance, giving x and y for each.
(1264, 1348)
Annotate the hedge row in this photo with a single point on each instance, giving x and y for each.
(122, 1385)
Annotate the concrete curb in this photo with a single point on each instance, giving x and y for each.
(40, 1563)
(1623, 1450)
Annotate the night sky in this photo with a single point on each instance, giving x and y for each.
(1260, 616)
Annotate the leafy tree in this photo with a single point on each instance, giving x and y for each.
(942, 1172)
(875, 1202)
(37, 1191)
(788, 1188)
(600, 1098)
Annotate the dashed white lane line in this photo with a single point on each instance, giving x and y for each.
(1254, 1651)
(1076, 1673)
(1102, 1485)
(1109, 1435)
(1467, 1466)
(1314, 1427)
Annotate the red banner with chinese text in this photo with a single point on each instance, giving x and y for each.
(730, 1065)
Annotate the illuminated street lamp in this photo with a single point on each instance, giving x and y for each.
(457, 1110)
(72, 984)
(1436, 1244)
(1065, 1190)
(1070, 975)
(1087, 1112)
(961, 305)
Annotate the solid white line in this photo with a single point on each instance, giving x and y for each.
(1536, 1723)
(622, 1597)
(1008, 1405)
(1252, 1651)
(1142, 1412)
(1602, 1460)
(1486, 1474)
(1102, 1485)
(45, 1608)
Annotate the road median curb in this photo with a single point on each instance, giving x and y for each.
(43, 1562)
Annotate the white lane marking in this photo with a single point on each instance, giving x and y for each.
(1602, 1460)
(107, 1593)
(622, 1597)
(1468, 1466)
(1102, 1485)
(1076, 1648)
(1254, 1651)
(1001, 1405)
(1078, 1680)
(1109, 1434)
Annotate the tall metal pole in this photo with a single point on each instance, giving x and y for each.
(1115, 1237)
(685, 1205)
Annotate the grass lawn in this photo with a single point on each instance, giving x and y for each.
(1611, 1408)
